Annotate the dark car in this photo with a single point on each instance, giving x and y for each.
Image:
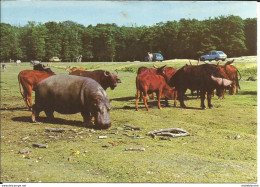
(156, 57)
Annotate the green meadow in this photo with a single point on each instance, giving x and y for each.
(221, 148)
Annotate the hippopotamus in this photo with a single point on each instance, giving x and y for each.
(70, 94)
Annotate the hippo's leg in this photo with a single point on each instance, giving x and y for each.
(35, 113)
(87, 119)
(49, 114)
(202, 98)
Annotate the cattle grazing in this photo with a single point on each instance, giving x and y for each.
(3, 67)
(148, 83)
(232, 73)
(155, 70)
(69, 94)
(28, 79)
(206, 78)
(69, 69)
(167, 73)
(41, 67)
(104, 78)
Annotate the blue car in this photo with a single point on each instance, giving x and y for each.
(156, 57)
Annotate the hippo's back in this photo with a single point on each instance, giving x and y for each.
(62, 93)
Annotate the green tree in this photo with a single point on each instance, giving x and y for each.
(251, 35)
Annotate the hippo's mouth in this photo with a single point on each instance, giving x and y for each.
(99, 124)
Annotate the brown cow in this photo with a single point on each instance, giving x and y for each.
(147, 83)
(69, 69)
(144, 69)
(231, 72)
(104, 78)
(28, 79)
(167, 73)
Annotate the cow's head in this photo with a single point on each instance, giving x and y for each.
(168, 92)
(100, 110)
(41, 67)
(221, 80)
(112, 79)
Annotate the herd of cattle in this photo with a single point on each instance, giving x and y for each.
(84, 91)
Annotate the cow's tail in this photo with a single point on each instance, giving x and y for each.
(237, 80)
(21, 91)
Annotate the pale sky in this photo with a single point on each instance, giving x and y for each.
(121, 12)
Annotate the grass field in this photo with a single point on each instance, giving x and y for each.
(221, 148)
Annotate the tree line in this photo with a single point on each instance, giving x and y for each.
(186, 38)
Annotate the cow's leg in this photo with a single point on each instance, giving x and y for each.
(198, 94)
(140, 96)
(158, 94)
(29, 96)
(166, 101)
(181, 95)
(175, 98)
(209, 93)
(145, 100)
(26, 100)
(138, 93)
(202, 98)
(224, 92)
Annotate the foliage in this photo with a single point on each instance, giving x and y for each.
(186, 38)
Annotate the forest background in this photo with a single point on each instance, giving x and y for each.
(186, 38)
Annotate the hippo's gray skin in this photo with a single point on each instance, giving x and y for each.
(69, 94)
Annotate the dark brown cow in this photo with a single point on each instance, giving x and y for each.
(28, 79)
(41, 67)
(104, 78)
(148, 83)
(206, 78)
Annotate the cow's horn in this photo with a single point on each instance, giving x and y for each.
(155, 66)
(229, 62)
(117, 72)
(218, 62)
(221, 81)
(105, 73)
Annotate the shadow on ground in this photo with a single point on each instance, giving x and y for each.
(55, 121)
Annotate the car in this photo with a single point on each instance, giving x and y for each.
(156, 57)
(214, 55)
(54, 59)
